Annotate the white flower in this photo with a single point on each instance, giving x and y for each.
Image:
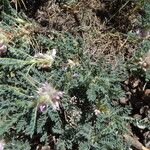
(53, 54)
(97, 112)
(48, 95)
(55, 105)
(145, 61)
(72, 63)
(3, 48)
(2, 144)
(45, 60)
(42, 107)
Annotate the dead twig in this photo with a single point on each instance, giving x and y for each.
(134, 142)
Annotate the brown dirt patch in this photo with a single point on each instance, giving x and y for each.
(84, 19)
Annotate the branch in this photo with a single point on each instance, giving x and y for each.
(134, 142)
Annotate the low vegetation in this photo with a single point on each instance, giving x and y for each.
(74, 75)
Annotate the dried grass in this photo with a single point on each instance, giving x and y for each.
(80, 19)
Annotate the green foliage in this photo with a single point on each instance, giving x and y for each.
(18, 144)
(5, 6)
(143, 43)
(86, 117)
(146, 15)
(134, 65)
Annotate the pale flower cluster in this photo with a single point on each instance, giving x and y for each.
(47, 95)
(45, 60)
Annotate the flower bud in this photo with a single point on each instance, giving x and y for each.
(3, 48)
